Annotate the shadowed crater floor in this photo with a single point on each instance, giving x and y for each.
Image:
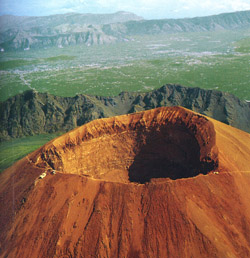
(169, 152)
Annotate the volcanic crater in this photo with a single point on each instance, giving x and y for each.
(98, 202)
(172, 144)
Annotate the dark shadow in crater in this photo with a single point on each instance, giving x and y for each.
(168, 152)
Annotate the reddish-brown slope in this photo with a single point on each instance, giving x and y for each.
(114, 195)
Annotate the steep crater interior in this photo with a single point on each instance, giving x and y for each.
(137, 152)
(169, 152)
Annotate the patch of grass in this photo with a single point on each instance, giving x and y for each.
(59, 58)
(243, 46)
(14, 150)
(11, 85)
(12, 64)
(17, 63)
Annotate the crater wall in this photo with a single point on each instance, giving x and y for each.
(163, 143)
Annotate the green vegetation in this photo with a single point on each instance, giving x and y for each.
(59, 58)
(208, 60)
(13, 150)
(15, 63)
(229, 73)
(243, 46)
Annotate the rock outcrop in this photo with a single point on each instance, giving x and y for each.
(165, 182)
(33, 113)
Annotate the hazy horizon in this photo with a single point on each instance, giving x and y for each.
(150, 9)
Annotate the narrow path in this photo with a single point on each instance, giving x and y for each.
(21, 75)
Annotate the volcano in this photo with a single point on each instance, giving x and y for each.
(166, 182)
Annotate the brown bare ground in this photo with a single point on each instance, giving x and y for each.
(161, 183)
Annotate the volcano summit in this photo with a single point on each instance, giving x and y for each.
(160, 183)
(173, 144)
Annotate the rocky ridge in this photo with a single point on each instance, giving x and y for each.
(33, 113)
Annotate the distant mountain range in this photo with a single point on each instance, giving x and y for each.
(29, 22)
(19, 33)
(23, 32)
(33, 113)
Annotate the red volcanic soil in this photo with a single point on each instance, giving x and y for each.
(161, 183)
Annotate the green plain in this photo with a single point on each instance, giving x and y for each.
(14, 150)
